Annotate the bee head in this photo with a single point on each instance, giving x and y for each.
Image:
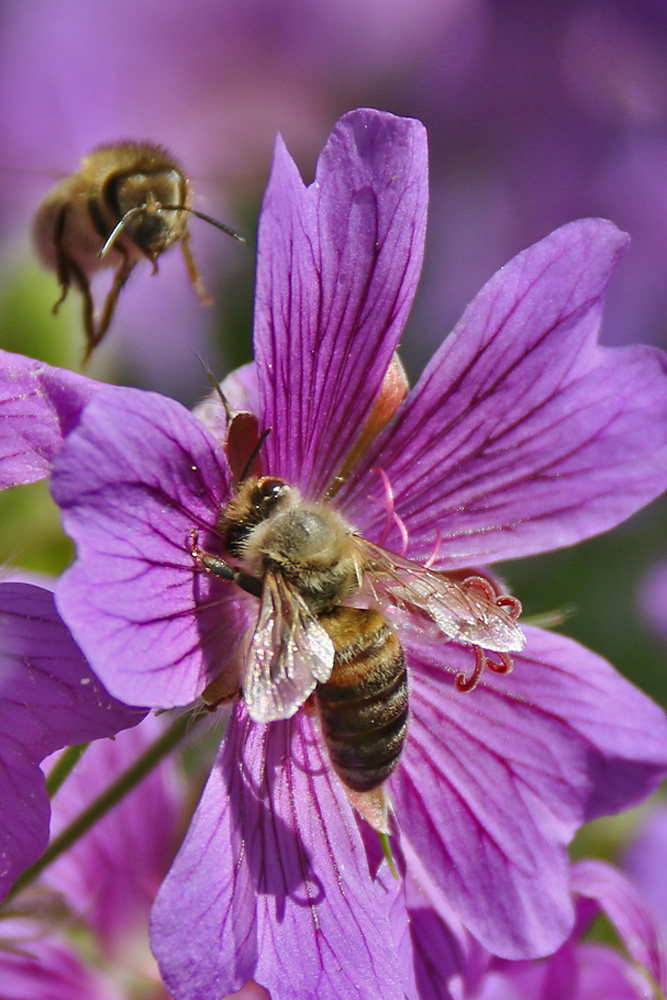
(137, 199)
(270, 495)
(256, 501)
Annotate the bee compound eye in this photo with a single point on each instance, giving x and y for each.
(268, 494)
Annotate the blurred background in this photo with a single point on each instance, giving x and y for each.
(537, 114)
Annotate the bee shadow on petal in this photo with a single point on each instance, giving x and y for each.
(281, 830)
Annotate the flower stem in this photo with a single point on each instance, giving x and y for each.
(124, 784)
(63, 767)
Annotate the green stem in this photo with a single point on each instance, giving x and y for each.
(63, 767)
(128, 780)
(386, 850)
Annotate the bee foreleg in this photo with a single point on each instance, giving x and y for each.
(219, 567)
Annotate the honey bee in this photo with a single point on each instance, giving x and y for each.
(128, 201)
(306, 565)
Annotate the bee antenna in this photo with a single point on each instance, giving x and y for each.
(206, 218)
(215, 385)
(255, 452)
(118, 229)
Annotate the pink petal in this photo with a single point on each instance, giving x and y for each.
(39, 405)
(338, 265)
(111, 875)
(49, 699)
(272, 882)
(623, 905)
(493, 784)
(133, 480)
(523, 435)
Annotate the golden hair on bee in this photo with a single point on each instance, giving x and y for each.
(127, 202)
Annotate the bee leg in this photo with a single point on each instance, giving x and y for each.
(193, 272)
(220, 691)
(217, 565)
(83, 285)
(68, 271)
(63, 260)
(95, 335)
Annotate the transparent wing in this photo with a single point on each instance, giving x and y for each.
(467, 610)
(289, 653)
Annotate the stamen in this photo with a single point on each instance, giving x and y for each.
(405, 538)
(482, 660)
(504, 667)
(483, 587)
(392, 516)
(486, 589)
(388, 505)
(436, 550)
(466, 684)
(512, 605)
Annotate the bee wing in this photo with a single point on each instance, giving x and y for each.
(462, 613)
(289, 653)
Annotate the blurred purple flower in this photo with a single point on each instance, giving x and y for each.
(522, 435)
(98, 893)
(557, 112)
(646, 862)
(48, 963)
(450, 965)
(653, 599)
(111, 876)
(49, 699)
(215, 83)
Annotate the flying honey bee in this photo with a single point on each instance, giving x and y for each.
(128, 201)
(305, 562)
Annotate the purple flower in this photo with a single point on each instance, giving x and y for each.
(100, 891)
(52, 964)
(111, 876)
(50, 699)
(522, 435)
(646, 862)
(39, 405)
(449, 964)
(653, 599)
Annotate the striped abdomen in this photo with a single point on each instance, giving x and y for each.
(364, 705)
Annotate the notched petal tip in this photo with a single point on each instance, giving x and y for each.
(368, 126)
